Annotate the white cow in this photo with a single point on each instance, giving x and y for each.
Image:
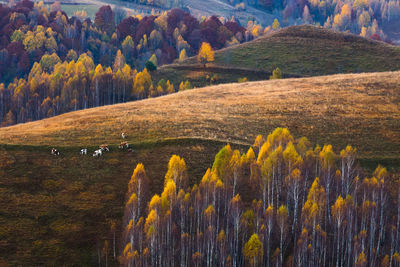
(98, 153)
(83, 151)
(123, 135)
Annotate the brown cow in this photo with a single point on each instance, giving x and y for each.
(104, 147)
(123, 145)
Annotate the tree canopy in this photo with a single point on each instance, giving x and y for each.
(271, 211)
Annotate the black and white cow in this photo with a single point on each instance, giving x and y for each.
(97, 153)
(55, 152)
(83, 151)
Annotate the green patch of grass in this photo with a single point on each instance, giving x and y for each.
(70, 9)
(198, 75)
(299, 51)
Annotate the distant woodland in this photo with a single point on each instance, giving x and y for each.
(51, 64)
(366, 18)
(283, 203)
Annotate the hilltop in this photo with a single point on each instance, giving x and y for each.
(299, 51)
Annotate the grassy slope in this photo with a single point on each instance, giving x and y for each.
(90, 9)
(297, 51)
(359, 109)
(55, 209)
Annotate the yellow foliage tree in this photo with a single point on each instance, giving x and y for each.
(346, 10)
(315, 205)
(142, 84)
(275, 24)
(338, 211)
(185, 85)
(280, 137)
(137, 188)
(291, 157)
(256, 31)
(258, 142)
(183, 55)
(253, 250)
(250, 155)
(170, 88)
(276, 74)
(363, 32)
(361, 260)
(177, 172)
(206, 54)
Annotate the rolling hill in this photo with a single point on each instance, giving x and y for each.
(55, 210)
(299, 51)
(357, 109)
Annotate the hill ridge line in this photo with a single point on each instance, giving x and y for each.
(347, 76)
(358, 109)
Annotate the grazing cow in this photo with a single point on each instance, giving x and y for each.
(123, 145)
(123, 135)
(97, 153)
(104, 147)
(55, 152)
(83, 151)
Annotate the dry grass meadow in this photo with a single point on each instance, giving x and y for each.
(357, 109)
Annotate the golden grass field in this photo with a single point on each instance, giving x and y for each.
(357, 109)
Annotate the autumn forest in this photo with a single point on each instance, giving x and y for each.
(51, 64)
(311, 207)
(221, 133)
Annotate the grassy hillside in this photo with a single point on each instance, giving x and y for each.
(57, 209)
(356, 109)
(297, 51)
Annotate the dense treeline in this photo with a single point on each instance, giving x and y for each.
(51, 64)
(28, 31)
(311, 207)
(55, 87)
(367, 18)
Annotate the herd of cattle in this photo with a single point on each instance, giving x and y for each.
(99, 152)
